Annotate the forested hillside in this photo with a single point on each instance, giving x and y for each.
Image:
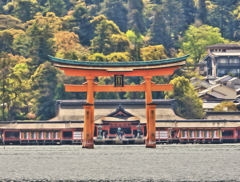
(104, 31)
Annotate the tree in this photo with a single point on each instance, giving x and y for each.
(136, 40)
(201, 11)
(151, 53)
(189, 10)
(222, 16)
(109, 38)
(6, 39)
(197, 38)
(25, 9)
(189, 105)
(8, 22)
(67, 45)
(55, 6)
(81, 25)
(10, 85)
(43, 84)
(135, 16)
(116, 11)
(53, 22)
(225, 106)
(174, 17)
(37, 43)
(158, 31)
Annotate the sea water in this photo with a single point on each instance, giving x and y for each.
(121, 163)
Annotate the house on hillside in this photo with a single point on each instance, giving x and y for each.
(221, 60)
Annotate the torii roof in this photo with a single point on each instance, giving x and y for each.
(119, 66)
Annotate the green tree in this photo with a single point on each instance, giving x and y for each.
(37, 43)
(6, 39)
(25, 9)
(136, 40)
(202, 11)
(56, 6)
(174, 18)
(135, 16)
(81, 25)
(222, 16)
(189, 11)
(10, 85)
(189, 105)
(43, 84)
(109, 38)
(158, 31)
(116, 11)
(225, 106)
(197, 38)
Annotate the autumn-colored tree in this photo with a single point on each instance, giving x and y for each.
(67, 44)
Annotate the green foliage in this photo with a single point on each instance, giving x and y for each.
(158, 31)
(197, 38)
(225, 106)
(153, 53)
(12, 85)
(109, 38)
(116, 11)
(56, 6)
(25, 9)
(135, 16)
(43, 84)
(202, 11)
(190, 106)
(6, 39)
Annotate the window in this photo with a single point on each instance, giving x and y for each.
(48, 135)
(67, 134)
(224, 50)
(33, 135)
(211, 50)
(25, 135)
(192, 134)
(234, 60)
(199, 134)
(55, 135)
(223, 61)
(201, 68)
(40, 135)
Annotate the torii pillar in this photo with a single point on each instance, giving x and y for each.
(150, 114)
(88, 130)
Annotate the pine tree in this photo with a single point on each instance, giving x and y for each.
(189, 10)
(202, 11)
(116, 11)
(158, 31)
(135, 15)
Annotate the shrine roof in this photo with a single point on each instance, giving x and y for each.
(117, 64)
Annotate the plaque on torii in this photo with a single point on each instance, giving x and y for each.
(118, 70)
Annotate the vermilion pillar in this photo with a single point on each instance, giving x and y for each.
(90, 100)
(149, 125)
(87, 130)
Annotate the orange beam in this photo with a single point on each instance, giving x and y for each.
(111, 88)
(96, 73)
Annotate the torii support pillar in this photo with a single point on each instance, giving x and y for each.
(151, 126)
(87, 130)
(150, 114)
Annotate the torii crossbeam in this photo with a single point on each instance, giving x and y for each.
(90, 70)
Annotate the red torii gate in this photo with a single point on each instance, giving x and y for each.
(90, 70)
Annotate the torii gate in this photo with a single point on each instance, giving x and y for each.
(90, 70)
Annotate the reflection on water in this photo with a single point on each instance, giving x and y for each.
(134, 163)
